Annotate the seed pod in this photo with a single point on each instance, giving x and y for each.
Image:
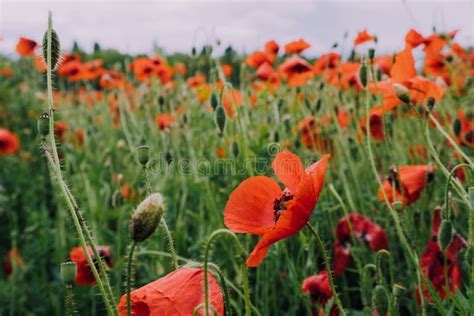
(55, 49)
(146, 217)
(380, 300)
(235, 149)
(143, 155)
(445, 235)
(214, 101)
(43, 125)
(371, 53)
(430, 104)
(68, 272)
(220, 118)
(363, 74)
(161, 101)
(402, 93)
(168, 157)
(457, 127)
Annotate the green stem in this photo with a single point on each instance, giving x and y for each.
(327, 263)
(245, 279)
(174, 258)
(129, 277)
(447, 211)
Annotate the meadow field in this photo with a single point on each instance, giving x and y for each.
(268, 183)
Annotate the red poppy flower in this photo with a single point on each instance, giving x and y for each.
(272, 47)
(296, 47)
(111, 79)
(84, 272)
(259, 206)
(319, 288)
(165, 121)
(80, 136)
(9, 142)
(311, 134)
(258, 58)
(6, 72)
(414, 39)
(296, 70)
(26, 47)
(226, 70)
(327, 61)
(196, 81)
(466, 133)
(363, 229)
(432, 261)
(13, 255)
(408, 185)
(266, 73)
(60, 128)
(375, 123)
(363, 37)
(177, 293)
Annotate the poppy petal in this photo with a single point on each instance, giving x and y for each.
(289, 169)
(250, 206)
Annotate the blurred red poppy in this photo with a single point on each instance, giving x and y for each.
(406, 183)
(364, 229)
(433, 261)
(259, 206)
(178, 293)
(26, 47)
(9, 142)
(319, 289)
(272, 47)
(84, 273)
(296, 47)
(296, 71)
(12, 258)
(364, 37)
(165, 120)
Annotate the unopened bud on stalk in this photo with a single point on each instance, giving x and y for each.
(445, 235)
(43, 125)
(235, 149)
(380, 300)
(363, 74)
(214, 101)
(401, 92)
(55, 49)
(220, 118)
(431, 103)
(143, 154)
(146, 217)
(371, 53)
(68, 271)
(457, 127)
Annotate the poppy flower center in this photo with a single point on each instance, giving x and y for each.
(3, 144)
(279, 204)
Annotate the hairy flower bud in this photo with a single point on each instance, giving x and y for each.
(363, 74)
(68, 271)
(143, 154)
(55, 49)
(43, 125)
(220, 118)
(380, 300)
(401, 92)
(146, 217)
(214, 101)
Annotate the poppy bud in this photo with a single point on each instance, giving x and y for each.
(43, 125)
(401, 92)
(363, 74)
(457, 127)
(380, 300)
(318, 104)
(146, 217)
(220, 118)
(168, 157)
(55, 49)
(468, 83)
(371, 53)
(398, 206)
(68, 271)
(445, 235)
(235, 149)
(143, 154)
(161, 101)
(214, 101)
(193, 51)
(431, 103)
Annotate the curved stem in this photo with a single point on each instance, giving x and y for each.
(327, 263)
(129, 277)
(245, 280)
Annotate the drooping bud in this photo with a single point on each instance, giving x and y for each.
(401, 92)
(143, 153)
(235, 149)
(68, 271)
(214, 101)
(220, 118)
(380, 300)
(146, 217)
(43, 125)
(431, 103)
(363, 74)
(445, 235)
(55, 49)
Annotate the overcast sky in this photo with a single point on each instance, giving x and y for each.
(134, 26)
